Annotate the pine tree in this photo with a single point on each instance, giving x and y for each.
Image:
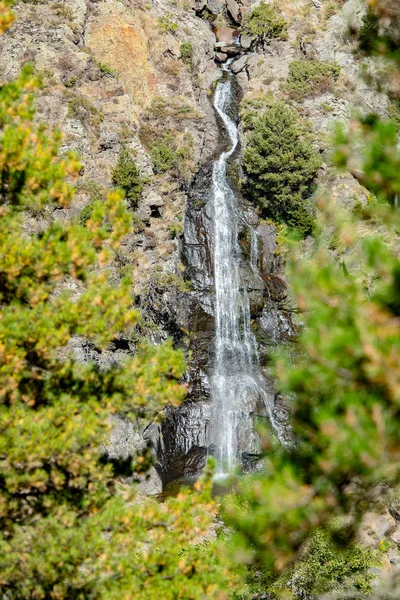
(127, 177)
(281, 165)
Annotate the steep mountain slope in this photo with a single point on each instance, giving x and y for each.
(127, 74)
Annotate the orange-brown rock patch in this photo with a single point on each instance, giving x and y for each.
(115, 40)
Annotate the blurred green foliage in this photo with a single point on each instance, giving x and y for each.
(369, 149)
(343, 387)
(70, 528)
(325, 567)
(344, 391)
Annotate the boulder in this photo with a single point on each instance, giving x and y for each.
(125, 440)
(246, 41)
(108, 141)
(234, 11)
(231, 50)
(150, 205)
(200, 5)
(225, 34)
(308, 50)
(150, 483)
(220, 57)
(239, 64)
(214, 7)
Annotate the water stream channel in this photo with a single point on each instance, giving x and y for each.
(235, 377)
(234, 291)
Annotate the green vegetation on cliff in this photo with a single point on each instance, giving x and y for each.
(281, 164)
(126, 176)
(264, 22)
(310, 77)
(186, 50)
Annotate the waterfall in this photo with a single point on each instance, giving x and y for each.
(236, 382)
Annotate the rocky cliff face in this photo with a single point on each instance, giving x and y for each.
(106, 67)
(124, 73)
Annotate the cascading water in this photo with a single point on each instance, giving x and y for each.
(227, 389)
(235, 379)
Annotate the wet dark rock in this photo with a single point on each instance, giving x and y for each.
(185, 440)
(232, 50)
(185, 465)
(182, 442)
(276, 289)
(256, 303)
(276, 325)
(269, 261)
(280, 417)
(234, 11)
(196, 246)
(250, 279)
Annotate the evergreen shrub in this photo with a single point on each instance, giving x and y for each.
(311, 77)
(127, 177)
(265, 23)
(281, 164)
(369, 32)
(187, 53)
